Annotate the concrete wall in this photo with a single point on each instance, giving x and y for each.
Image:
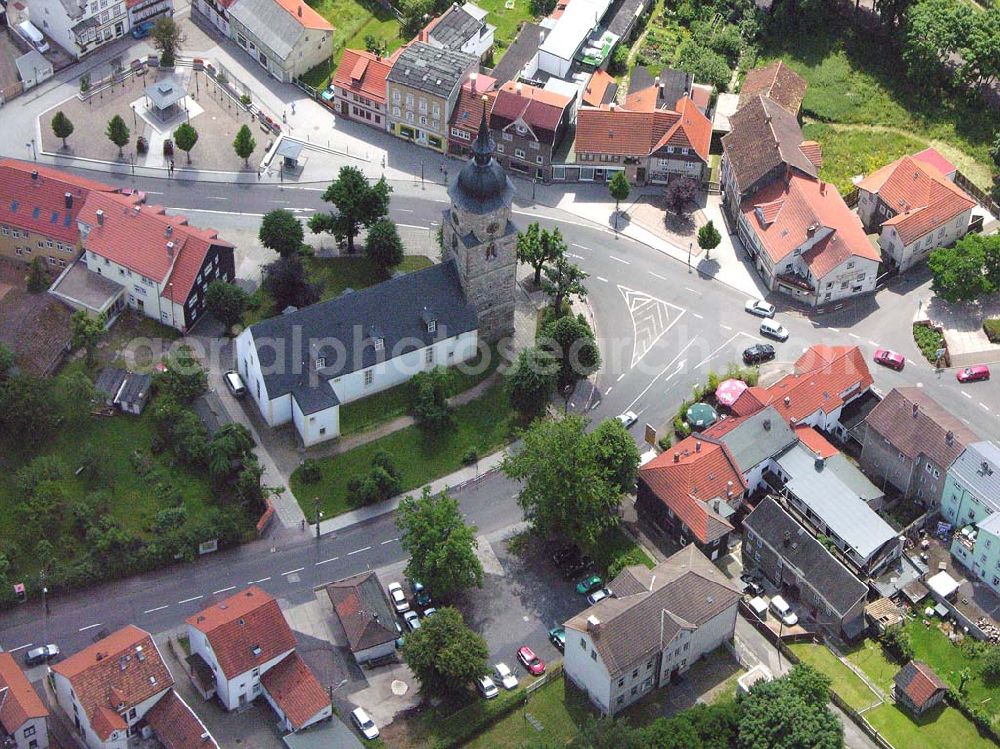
(585, 668)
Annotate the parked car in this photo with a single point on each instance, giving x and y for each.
(430, 612)
(505, 676)
(753, 588)
(420, 594)
(328, 93)
(759, 307)
(364, 723)
(628, 418)
(398, 598)
(598, 595)
(758, 353)
(974, 373)
(486, 687)
(889, 359)
(784, 612)
(565, 554)
(234, 383)
(412, 620)
(589, 583)
(774, 330)
(532, 662)
(41, 654)
(557, 636)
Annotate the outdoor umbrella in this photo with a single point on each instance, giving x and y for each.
(729, 391)
(701, 415)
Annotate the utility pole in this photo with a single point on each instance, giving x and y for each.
(319, 515)
(421, 172)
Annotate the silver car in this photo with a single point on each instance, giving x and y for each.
(759, 307)
(398, 598)
(41, 654)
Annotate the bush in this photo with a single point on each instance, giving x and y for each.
(992, 329)
(928, 341)
(470, 457)
(895, 640)
(310, 472)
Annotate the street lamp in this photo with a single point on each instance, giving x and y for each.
(135, 121)
(319, 515)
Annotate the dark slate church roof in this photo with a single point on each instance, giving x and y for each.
(396, 308)
(482, 186)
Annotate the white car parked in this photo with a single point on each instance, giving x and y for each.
(487, 687)
(628, 418)
(505, 676)
(398, 598)
(364, 723)
(759, 307)
(412, 620)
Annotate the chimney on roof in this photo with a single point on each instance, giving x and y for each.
(300, 11)
(916, 410)
(716, 504)
(677, 457)
(729, 488)
(34, 174)
(593, 624)
(697, 446)
(170, 249)
(205, 736)
(949, 437)
(822, 187)
(518, 88)
(169, 230)
(100, 217)
(767, 425)
(788, 538)
(473, 77)
(611, 106)
(136, 210)
(820, 463)
(788, 400)
(69, 200)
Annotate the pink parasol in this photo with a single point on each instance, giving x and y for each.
(729, 391)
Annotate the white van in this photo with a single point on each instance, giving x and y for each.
(775, 330)
(759, 607)
(34, 36)
(783, 611)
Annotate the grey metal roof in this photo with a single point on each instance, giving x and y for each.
(977, 469)
(429, 69)
(166, 92)
(30, 64)
(278, 29)
(519, 53)
(323, 735)
(799, 549)
(109, 381)
(824, 487)
(623, 14)
(456, 27)
(761, 436)
(343, 325)
(136, 388)
(482, 186)
(289, 149)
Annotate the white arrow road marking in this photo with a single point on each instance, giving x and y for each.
(651, 319)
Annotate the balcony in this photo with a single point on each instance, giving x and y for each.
(796, 281)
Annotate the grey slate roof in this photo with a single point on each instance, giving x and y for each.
(455, 28)
(761, 436)
(166, 91)
(268, 21)
(136, 388)
(109, 382)
(978, 470)
(831, 492)
(519, 53)
(428, 69)
(817, 566)
(394, 307)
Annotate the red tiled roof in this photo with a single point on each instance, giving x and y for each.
(919, 682)
(176, 726)
(687, 477)
(114, 675)
(815, 441)
(922, 197)
(813, 151)
(631, 132)
(305, 15)
(777, 81)
(468, 111)
(363, 73)
(792, 211)
(933, 157)
(692, 130)
(32, 204)
(298, 693)
(245, 630)
(20, 702)
(540, 110)
(597, 87)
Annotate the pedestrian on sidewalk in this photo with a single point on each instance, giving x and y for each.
(293, 107)
(258, 174)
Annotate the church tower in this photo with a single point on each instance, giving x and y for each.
(479, 235)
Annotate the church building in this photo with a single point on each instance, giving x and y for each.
(302, 365)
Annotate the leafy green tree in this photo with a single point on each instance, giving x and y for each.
(571, 341)
(619, 189)
(286, 281)
(680, 193)
(934, 31)
(118, 133)
(990, 665)
(564, 491)
(958, 272)
(726, 41)
(617, 453)
(227, 451)
(185, 138)
(413, 14)
(619, 60)
(441, 546)
(167, 38)
(6, 362)
(708, 238)
(444, 654)
(183, 379)
(704, 64)
(26, 409)
(87, 331)
(990, 246)
(74, 395)
(282, 232)
(531, 381)
(383, 247)
(541, 8)
(227, 301)
(244, 144)
(892, 12)
(995, 149)
(430, 399)
(62, 127)
(563, 281)
(785, 714)
(358, 203)
(374, 45)
(38, 276)
(537, 246)
(980, 49)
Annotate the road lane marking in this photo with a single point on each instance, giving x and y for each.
(89, 626)
(158, 608)
(292, 572)
(601, 278)
(662, 371)
(575, 257)
(280, 202)
(412, 226)
(390, 541)
(693, 291)
(651, 319)
(192, 598)
(606, 392)
(724, 327)
(20, 647)
(984, 406)
(619, 260)
(620, 377)
(153, 192)
(855, 336)
(872, 342)
(223, 590)
(327, 561)
(403, 210)
(697, 315)
(262, 580)
(835, 330)
(657, 275)
(358, 551)
(588, 249)
(213, 197)
(967, 395)
(710, 356)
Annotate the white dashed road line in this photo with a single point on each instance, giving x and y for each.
(574, 256)
(20, 647)
(872, 342)
(724, 327)
(984, 406)
(588, 249)
(389, 541)
(223, 590)
(967, 395)
(327, 561)
(608, 390)
(835, 330)
(693, 291)
(700, 317)
(192, 598)
(358, 551)
(89, 626)
(158, 608)
(411, 226)
(292, 572)
(620, 377)
(601, 278)
(657, 275)
(619, 260)
(262, 580)
(855, 336)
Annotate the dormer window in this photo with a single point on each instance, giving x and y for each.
(432, 326)
(256, 651)
(378, 340)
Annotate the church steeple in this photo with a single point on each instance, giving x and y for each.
(484, 147)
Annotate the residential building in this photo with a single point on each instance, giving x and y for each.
(217, 13)
(110, 691)
(421, 91)
(477, 93)
(910, 441)
(146, 12)
(600, 90)
(364, 612)
(578, 21)
(528, 124)
(782, 551)
(692, 492)
(38, 212)
(80, 26)
(754, 441)
(805, 242)
(777, 82)
(917, 688)
(461, 28)
(295, 694)
(914, 208)
(972, 485)
(24, 719)
(359, 87)
(977, 548)
(520, 60)
(654, 627)
(286, 37)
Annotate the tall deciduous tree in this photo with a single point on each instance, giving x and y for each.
(934, 31)
(185, 138)
(244, 144)
(531, 381)
(564, 491)
(789, 713)
(617, 454)
(358, 203)
(286, 281)
(708, 238)
(430, 399)
(282, 232)
(537, 246)
(571, 341)
(444, 654)
(227, 302)
(441, 546)
(87, 330)
(383, 247)
(167, 37)
(980, 48)
(118, 133)
(619, 189)
(680, 193)
(62, 127)
(38, 275)
(563, 281)
(960, 272)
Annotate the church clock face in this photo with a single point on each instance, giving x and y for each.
(493, 228)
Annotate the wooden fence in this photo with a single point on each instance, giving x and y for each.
(981, 196)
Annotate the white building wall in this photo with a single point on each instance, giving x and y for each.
(917, 251)
(854, 276)
(316, 427)
(585, 668)
(52, 19)
(40, 734)
(118, 739)
(221, 22)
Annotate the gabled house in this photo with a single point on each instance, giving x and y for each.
(972, 485)
(914, 208)
(24, 719)
(461, 28)
(359, 87)
(777, 82)
(78, 26)
(175, 725)
(216, 11)
(364, 612)
(654, 627)
(285, 37)
(528, 124)
(754, 441)
(910, 441)
(477, 93)
(917, 688)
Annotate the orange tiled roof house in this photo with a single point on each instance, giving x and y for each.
(23, 716)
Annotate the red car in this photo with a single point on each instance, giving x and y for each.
(972, 374)
(531, 661)
(890, 359)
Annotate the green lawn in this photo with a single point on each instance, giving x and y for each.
(616, 545)
(352, 20)
(845, 682)
(664, 37)
(850, 152)
(507, 21)
(942, 728)
(484, 425)
(870, 658)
